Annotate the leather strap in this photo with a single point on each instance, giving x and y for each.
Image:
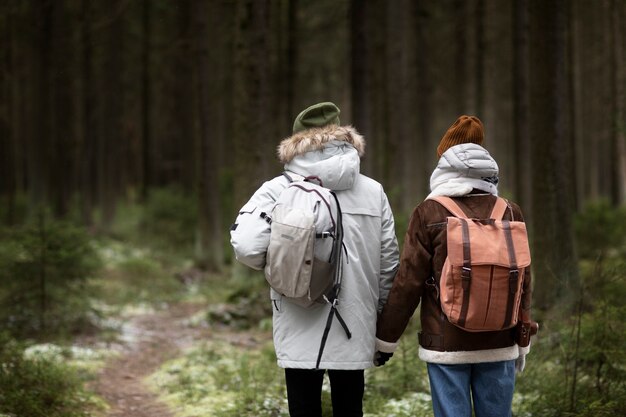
(466, 272)
(499, 209)
(329, 321)
(450, 205)
(513, 272)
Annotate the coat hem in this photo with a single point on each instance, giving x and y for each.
(475, 356)
(325, 365)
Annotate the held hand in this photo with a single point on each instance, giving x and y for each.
(380, 358)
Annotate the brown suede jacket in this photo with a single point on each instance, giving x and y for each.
(421, 262)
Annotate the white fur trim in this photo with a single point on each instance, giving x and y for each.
(524, 350)
(387, 347)
(316, 139)
(475, 356)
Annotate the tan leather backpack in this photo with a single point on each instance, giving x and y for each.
(482, 277)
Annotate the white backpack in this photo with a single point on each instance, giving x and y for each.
(304, 257)
(304, 254)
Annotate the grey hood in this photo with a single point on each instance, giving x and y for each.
(331, 153)
(463, 168)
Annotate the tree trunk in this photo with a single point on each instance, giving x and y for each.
(41, 110)
(554, 264)
(360, 71)
(109, 163)
(146, 99)
(479, 71)
(89, 130)
(254, 150)
(61, 133)
(460, 56)
(619, 82)
(521, 137)
(7, 121)
(292, 58)
(617, 174)
(400, 102)
(210, 252)
(421, 151)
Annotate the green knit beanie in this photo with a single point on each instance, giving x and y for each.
(318, 115)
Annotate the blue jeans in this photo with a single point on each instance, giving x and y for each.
(491, 385)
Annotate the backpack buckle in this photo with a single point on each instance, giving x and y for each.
(265, 217)
(513, 279)
(466, 276)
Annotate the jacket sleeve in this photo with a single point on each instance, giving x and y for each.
(250, 234)
(408, 286)
(389, 253)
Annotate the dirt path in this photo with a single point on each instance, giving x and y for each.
(153, 339)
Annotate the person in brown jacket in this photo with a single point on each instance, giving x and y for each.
(459, 362)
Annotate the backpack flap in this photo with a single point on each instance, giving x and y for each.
(290, 252)
(492, 240)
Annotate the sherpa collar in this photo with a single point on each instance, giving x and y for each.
(316, 139)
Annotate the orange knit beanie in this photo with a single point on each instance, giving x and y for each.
(466, 129)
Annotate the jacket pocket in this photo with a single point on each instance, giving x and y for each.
(362, 211)
(248, 208)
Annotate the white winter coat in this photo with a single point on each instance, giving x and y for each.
(331, 153)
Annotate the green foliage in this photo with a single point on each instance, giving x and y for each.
(400, 387)
(44, 271)
(240, 301)
(134, 275)
(169, 219)
(224, 380)
(38, 387)
(227, 207)
(14, 210)
(600, 228)
(576, 364)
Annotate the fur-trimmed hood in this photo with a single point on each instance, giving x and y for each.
(318, 138)
(332, 153)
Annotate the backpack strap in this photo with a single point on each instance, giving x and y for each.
(466, 271)
(287, 176)
(292, 176)
(513, 272)
(333, 313)
(450, 205)
(333, 301)
(499, 209)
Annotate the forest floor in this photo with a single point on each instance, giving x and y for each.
(148, 340)
(151, 339)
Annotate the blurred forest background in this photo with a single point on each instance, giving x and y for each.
(148, 123)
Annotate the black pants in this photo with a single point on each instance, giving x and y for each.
(304, 392)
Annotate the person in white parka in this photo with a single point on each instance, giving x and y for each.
(321, 147)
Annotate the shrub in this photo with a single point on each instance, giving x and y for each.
(44, 271)
(169, 219)
(576, 367)
(38, 387)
